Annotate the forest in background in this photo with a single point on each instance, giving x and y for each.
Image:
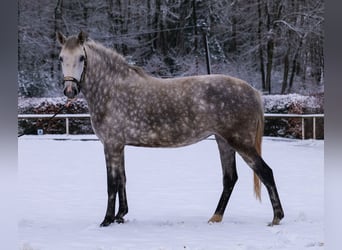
(275, 45)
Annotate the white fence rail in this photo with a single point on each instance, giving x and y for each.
(67, 118)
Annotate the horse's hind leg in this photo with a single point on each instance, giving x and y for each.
(227, 155)
(265, 174)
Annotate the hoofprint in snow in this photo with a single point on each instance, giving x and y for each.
(171, 195)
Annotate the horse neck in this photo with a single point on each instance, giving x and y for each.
(104, 67)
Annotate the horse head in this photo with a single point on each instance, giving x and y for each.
(73, 59)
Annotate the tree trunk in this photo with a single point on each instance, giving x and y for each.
(159, 41)
(260, 50)
(194, 15)
(272, 15)
(150, 17)
(58, 26)
(294, 65)
(126, 15)
(269, 64)
(233, 44)
(286, 72)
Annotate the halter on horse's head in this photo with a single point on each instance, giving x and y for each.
(73, 58)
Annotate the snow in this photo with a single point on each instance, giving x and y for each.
(281, 102)
(171, 195)
(37, 101)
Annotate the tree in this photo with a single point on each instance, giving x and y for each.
(274, 44)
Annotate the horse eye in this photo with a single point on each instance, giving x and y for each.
(82, 58)
(61, 59)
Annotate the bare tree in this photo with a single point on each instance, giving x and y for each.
(276, 45)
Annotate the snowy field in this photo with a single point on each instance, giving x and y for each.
(171, 195)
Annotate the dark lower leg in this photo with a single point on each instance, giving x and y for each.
(112, 191)
(227, 155)
(115, 180)
(228, 184)
(265, 174)
(123, 207)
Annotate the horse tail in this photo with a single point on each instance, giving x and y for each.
(258, 142)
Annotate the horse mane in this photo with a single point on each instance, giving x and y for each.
(138, 70)
(113, 57)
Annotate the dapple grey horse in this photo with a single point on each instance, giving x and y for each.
(129, 107)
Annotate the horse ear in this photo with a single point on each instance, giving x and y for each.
(60, 37)
(82, 37)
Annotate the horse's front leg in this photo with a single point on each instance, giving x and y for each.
(123, 206)
(116, 182)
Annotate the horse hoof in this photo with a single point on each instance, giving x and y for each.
(106, 222)
(276, 221)
(215, 219)
(277, 218)
(119, 220)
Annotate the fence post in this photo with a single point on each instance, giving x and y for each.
(303, 129)
(314, 127)
(67, 125)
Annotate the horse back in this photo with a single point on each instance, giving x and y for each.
(216, 95)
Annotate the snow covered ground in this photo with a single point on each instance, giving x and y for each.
(171, 195)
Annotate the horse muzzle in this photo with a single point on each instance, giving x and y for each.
(71, 87)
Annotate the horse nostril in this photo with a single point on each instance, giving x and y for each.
(70, 93)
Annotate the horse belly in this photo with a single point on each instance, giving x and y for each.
(165, 137)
